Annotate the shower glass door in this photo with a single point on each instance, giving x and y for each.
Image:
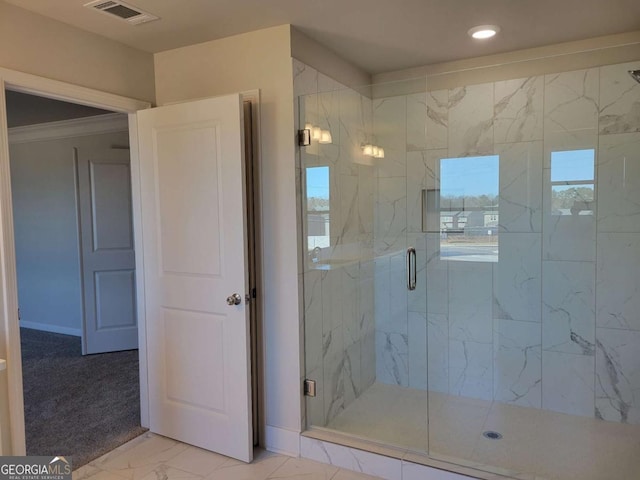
(532, 275)
(464, 246)
(365, 331)
(510, 343)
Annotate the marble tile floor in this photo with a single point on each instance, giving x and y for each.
(536, 443)
(153, 457)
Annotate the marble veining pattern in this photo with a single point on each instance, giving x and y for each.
(437, 353)
(152, 457)
(531, 330)
(568, 323)
(618, 376)
(423, 172)
(417, 357)
(618, 281)
(517, 277)
(471, 120)
(390, 132)
(353, 387)
(437, 123)
(352, 321)
(338, 300)
(355, 123)
(520, 197)
(392, 362)
(313, 319)
(518, 110)
(619, 99)
(437, 291)
(568, 383)
(350, 458)
(471, 369)
(329, 106)
(333, 373)
(470, 309)
(518, 368)
(349, 229)
(305, 79)
(571, 101)
(416, 122)
(391, 207)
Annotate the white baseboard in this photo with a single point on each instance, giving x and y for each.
(45, 327)
(281, 440)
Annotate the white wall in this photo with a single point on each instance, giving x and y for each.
(259, 60)
(46, 230)
(41, 46)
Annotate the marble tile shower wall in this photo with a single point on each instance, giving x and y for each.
(338, 288)
(555, 323)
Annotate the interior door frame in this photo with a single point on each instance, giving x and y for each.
(9, 323)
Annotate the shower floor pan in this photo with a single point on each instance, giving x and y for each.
(534, 443)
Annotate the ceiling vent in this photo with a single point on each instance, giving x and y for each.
(123, 11)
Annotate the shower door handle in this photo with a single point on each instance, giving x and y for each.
(411, 268)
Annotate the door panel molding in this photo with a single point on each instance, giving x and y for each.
(104, 212)
(195, 251)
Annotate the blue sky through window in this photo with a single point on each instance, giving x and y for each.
(318, 182)
(469, 176)
(572, 165)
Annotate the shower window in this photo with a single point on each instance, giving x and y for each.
(469, 208)
(573, 182)
(318, 210)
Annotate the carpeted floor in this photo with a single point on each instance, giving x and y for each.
(77, 406)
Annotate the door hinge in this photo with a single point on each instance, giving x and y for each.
(309, 388)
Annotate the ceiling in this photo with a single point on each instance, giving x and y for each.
(376, 35)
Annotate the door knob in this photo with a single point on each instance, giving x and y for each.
(234, 299)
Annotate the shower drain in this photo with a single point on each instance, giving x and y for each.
(492, 435)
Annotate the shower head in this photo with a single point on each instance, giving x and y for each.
(635, 74)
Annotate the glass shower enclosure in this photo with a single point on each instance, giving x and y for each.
(471, 267)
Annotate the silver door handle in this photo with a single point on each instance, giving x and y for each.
(234, 299)
(412, 275)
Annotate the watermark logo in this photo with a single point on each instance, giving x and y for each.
(35, 468)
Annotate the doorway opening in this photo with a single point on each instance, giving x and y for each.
(139, 174)
(73, 232)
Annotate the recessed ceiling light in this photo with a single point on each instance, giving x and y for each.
(483, 31)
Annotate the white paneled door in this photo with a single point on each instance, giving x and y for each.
(108, 259)
(192, 183)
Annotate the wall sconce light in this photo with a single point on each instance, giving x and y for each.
(325, 137)
(316, 134)
(373, 151)
(310, 133)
